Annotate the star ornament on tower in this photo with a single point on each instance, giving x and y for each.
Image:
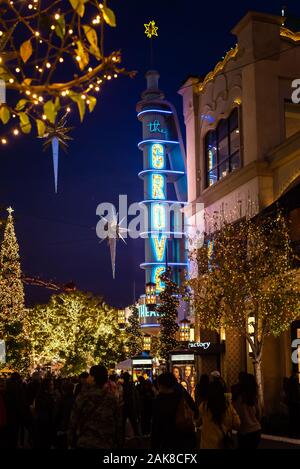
(151, 29)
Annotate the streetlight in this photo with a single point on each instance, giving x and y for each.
(150, 295)
(184, 330)
(121, 318)
(147, 342)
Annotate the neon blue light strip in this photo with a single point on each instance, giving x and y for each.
(149, 264)
(154, 110)
(162, 232)
(164, 171)
(163, 201)
(149, 325)
(157, 141)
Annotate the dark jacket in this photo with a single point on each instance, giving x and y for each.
(95, 420)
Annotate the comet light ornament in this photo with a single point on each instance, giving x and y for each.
(115, 232)
(57, 136)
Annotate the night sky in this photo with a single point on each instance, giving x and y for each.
(56, 232)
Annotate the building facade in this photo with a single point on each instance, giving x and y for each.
(243, 154)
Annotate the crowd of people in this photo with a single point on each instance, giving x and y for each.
(98, 410)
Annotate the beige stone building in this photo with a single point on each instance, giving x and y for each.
(243, 154)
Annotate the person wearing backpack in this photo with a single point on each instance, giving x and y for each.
(218, 418)
(172, 417)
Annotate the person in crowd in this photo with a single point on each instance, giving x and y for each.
(293, 404)
(235, 388)
(62, 413)
(130, 407)
(145, 400)
(218, 418)
(216, 376)
(3, 418)
(83, 383)
(246, 405)
(95, 421)
(43, 414)
(172, 418)
(15, 404)
(201, 390)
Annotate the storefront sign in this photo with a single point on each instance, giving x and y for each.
(141, 361)
(188, 357)
(199, 345)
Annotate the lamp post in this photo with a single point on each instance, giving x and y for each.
(121, 318)
(151, 296)
(147, 342)
(184, 330)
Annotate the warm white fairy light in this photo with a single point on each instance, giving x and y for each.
(83, 96)
(61, 60)
(3, 141)
(30, 6)
(44, 117)
(68, 109)
(11, 80)
(70, 31)
(27, 92)
(57, 16)
(48, 65)
(37, 33)
(41, 99)
(52, 27)
(97, 88)
(17, 70)
(16, 132)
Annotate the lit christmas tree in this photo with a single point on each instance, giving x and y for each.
(167, 309)
(11, 295)
(134, 334)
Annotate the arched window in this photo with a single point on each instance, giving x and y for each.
(222, 149)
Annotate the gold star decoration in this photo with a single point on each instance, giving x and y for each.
(151, 29)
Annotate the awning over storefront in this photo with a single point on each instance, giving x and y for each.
(125, 365)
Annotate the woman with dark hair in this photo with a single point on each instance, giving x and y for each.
(218, 417)
(201, 390)
(172, 418)
(247, 407)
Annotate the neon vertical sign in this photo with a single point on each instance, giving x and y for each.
(157, 272)
(157, 156)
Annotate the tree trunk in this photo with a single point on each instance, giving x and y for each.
(258, 377)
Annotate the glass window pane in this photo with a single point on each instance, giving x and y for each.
(235, 161)
(233, 120)
(223, 149)
(234, 141)
(211, 150)
(224, 169)
(212, 177)
(222, 129)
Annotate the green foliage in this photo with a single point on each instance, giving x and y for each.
(168, 309)
(133, 333)
(75, 330)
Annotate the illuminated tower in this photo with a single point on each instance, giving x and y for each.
(165, 186)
